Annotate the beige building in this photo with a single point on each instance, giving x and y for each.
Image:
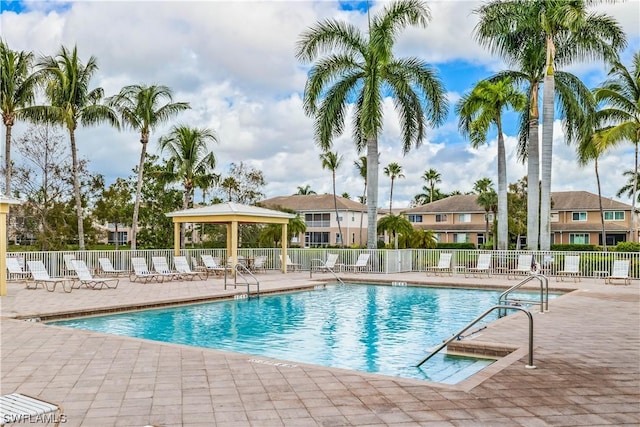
(319, 214)
(575, 219)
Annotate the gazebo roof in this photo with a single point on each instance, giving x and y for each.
(226, 212)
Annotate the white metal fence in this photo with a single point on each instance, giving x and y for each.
(592, 264)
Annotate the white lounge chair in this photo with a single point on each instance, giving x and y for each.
(259, 263)
(141, 272)
(15, 270)
(106, 268)
(444, 265)
(21, 408)
(483, 266)
(41, 277)
(161, 267)
(571, 268)
(69, 269)
(328, 265)
(290, 264)
(525, 266)
(620, 271)
(212, 265)
(85, 278)
(360, 265)
(182, 267)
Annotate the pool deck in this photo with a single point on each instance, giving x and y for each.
(586, 353)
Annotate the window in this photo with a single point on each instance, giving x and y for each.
(338, 239)
(464, 217)
(415, 218)
(579, 216)
(614, 215)
(480, 238)
(489, 217)
(317, 219)
(555, 217)
(441, 217)
(312, 239)
(579, 239)
(461, 237)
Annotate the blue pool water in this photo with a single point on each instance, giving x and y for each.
(371, 328)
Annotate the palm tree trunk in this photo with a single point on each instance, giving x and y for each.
(503, 215)
(76, 189)
(7, 159)
(634, 196)
(364, 199)
(335, 205)
(604, 235)
(391, 197)
(533, 172)
(116, 236)
(372, 192)
(136, 205)
(547, 150)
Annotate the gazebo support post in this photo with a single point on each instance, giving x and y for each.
(176, 238)
(284, 248)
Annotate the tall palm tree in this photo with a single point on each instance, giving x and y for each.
(352, 66)
(394, 171)
(479, 110)
(17, 91)
(305, 190)
(432, 177)
(361, 166)
(537, 36)
(332, 161)
(190, 157)
(230, 185)
(71, 103)
(630, 189)
(620, 94)
(143, 108)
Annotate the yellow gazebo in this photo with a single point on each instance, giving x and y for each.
(231, 214)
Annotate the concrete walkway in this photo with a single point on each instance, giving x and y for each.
(587, 353)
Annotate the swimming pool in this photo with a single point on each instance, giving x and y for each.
(372, 328)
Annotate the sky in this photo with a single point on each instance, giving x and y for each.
(234, 62)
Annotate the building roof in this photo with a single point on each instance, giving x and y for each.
(462, 203)
(313, 202)
(560, 201)
(224, 211)
(582, 200)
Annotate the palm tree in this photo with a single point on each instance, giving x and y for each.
(332, 162)
(190, 157)
(621, 113)
(230, 185)
(355, 66)
(630, 189)
(305, 190)
(17, 91)
(424, 239)
(480, 109)
(393, 170)
(143, 108)
(488, 199)
(432, 177)
(536, 36)
(71, 103)
(396, 225)
(361, 166)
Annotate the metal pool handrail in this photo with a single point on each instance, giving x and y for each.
(241, 270)
(319, 262)
(544, 293)
(530, 365)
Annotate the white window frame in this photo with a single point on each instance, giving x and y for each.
(613, 214)
(574, 236)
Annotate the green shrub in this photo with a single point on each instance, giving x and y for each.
(627, 247)
(455, 246)
(574, 248)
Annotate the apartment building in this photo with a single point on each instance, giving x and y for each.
(319, 214)
(575, 219)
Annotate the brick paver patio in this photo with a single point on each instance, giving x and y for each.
(587, 353)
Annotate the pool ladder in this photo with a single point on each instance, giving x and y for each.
(318, 263)
(244, 273)
(544, 294)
